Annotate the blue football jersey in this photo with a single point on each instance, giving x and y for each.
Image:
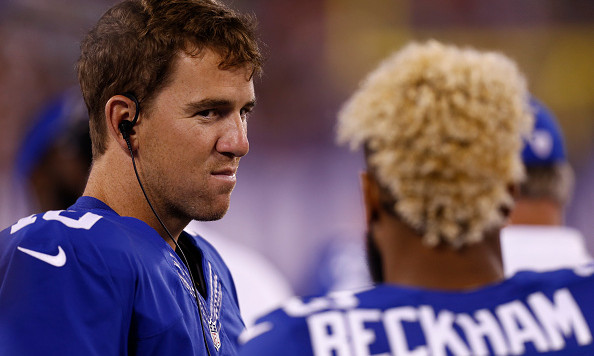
(529, 314)
(86, 281)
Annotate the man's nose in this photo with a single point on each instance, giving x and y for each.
(234, 139)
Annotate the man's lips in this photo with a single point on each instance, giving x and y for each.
(226, 173)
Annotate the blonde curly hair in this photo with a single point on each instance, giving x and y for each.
(443, 126)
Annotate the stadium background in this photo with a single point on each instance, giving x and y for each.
(297, 193)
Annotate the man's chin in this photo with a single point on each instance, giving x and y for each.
(216, 212)
(211, 217)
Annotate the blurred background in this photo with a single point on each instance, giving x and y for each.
(297, 200)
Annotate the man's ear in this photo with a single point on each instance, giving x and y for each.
(118, 109)
(371, 196)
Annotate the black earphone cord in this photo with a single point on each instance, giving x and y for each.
(172, 239)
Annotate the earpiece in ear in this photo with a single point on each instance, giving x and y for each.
(125, 128)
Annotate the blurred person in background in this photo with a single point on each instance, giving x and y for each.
(537, 238)
(168, 87)
(442, 129)
(54, 161)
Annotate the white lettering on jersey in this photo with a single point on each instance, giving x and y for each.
(393, 319)
(483, 327)
(545, 323)
(85, 222)
(362, 338)
(563, 316)
(22, 223)
(520, 327)
(329, 335)
(440, 332)
(296, 307)
(344, 299)
(584, 270)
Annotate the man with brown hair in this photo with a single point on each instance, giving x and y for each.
(442, 128)
(168, 86)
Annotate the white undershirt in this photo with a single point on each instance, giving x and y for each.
(541, 248)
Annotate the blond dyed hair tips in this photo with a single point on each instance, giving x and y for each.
(444, 128)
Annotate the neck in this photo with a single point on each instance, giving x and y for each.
(408, 261)
(113, 181)
(536, 212)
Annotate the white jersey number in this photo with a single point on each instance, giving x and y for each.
(85, 222)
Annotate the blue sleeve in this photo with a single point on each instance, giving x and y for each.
(276, 334)
(56, 296)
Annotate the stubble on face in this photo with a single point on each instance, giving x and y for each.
(185, 157)
(205, 207)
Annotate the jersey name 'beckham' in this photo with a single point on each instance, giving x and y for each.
(530, 313)
(541, 321)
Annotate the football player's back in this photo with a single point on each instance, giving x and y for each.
(442, 129)
(531, 313)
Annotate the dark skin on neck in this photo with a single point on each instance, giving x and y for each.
(406, 260)
(537, 211)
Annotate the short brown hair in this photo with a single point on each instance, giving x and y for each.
(132, 47)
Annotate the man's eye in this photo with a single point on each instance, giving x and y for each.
(207, 113)
(245, 113)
